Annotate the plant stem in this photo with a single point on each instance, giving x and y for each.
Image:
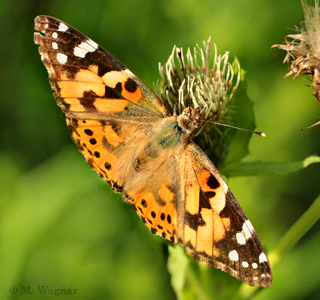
(296, 232)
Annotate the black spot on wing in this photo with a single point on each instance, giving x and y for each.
(169, 219)
(193, 220)
(153, 230)
(93, 141)
(107, 165)
(210, 194)
(118, 88)
(88, 99)
(105, 68)
(130, 85)
(111, 93)
(212, 182)
(88, 132)
(144, 203)
(204, 200)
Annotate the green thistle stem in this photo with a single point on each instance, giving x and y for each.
(296, 232)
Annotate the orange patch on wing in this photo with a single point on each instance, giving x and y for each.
(97, 163)
(75, 105)
(192, 199)
(112, 160)
(148, 196)
(88, 76)
(112, 137)
(218, 202)
(218, 229)
(204, 234)
(165, 194)
(94, 69)
(151, 207)
(110, 106)
(84, 81)
(112, 78)
(190, 236)
(203, 179)
(226, 222)
(133, 97)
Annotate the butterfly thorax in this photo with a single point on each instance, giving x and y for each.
(170, 136)
(177, 130)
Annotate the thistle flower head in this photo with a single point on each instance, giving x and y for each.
(303, 48)
(190, 81)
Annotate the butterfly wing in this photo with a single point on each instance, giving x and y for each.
(88, 82)
(113, 117)
(108, 109)
(212, 227)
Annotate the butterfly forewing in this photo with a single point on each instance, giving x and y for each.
(123, 130)
(88, 82)
(213, 227)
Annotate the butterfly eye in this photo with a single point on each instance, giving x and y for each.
(178, 128)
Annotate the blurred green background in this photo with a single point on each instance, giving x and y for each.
(61, 226)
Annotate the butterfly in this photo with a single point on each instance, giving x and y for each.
(133, 142)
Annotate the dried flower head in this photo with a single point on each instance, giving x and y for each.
(303, 49)
(191, 82)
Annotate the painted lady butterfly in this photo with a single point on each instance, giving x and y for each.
(135, 144)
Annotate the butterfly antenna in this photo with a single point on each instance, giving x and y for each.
(303, 129)
(227, 125)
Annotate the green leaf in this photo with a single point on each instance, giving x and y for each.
(266, 168)
(177, 266)
(242, 115)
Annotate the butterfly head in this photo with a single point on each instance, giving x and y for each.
(189, 120)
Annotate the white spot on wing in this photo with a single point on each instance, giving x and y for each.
(54, 35)
(249, 225)
(92, 43)
(262, 258)
(62, 58)
(247, 229)
(245, 264)
(233, 255)
(83, 49)
(87, 47)
(55, 45)
(63, 27)
(240, 238)
(254, 265)
(80, 52)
